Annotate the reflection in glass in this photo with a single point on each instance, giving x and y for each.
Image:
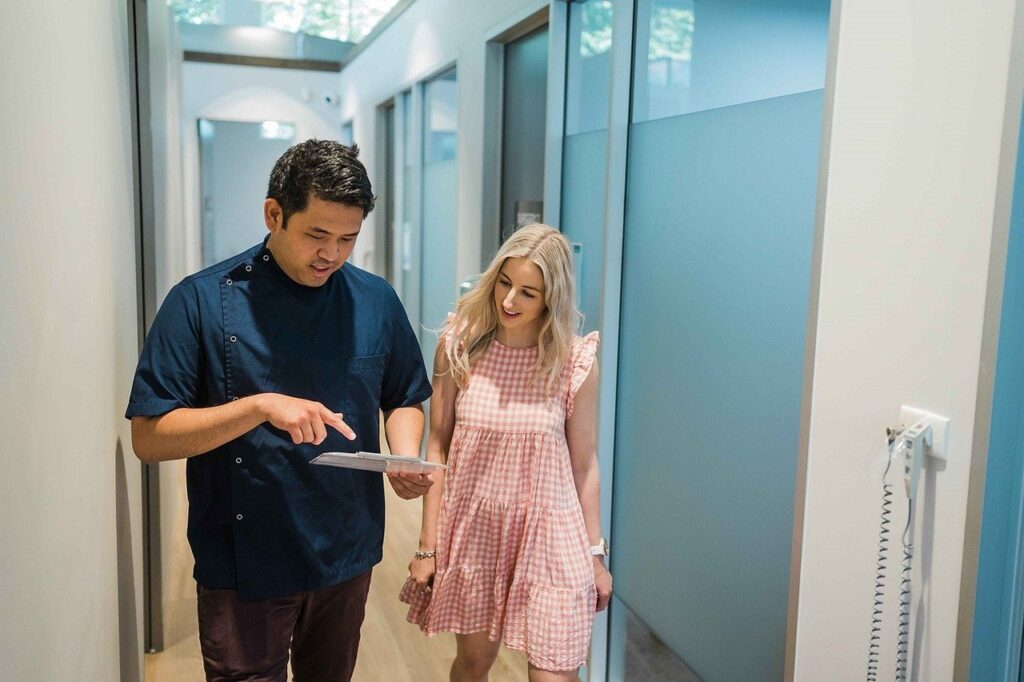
(590, 44)
(694, 55)
(669, 52)
(441, 103)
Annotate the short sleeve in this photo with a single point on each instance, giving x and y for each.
(584, 352)
(405, 378)
(168, 374)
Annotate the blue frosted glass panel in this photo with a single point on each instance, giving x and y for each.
(439, 188)
(720, 216)
(997, 565)
(440, 123)
(693, 55)
(405, 278)
(440, 182)
(589, 66)
(583, 193)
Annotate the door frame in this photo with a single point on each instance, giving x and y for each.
(513, 28)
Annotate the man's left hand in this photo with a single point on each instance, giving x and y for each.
(409, 486)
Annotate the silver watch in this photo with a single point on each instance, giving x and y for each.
(600, 549)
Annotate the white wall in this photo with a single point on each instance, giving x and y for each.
(253, 94)
(429, 36)
(908, 221)
(70, 568)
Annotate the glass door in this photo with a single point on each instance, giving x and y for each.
(722, 176)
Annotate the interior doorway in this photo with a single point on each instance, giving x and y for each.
(235, 160)
(523, 127)
(515, 122)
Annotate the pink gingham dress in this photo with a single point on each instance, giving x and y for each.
(513, 557)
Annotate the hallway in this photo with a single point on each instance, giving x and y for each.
(788, 220)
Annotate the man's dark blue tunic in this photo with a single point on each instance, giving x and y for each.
(261, 519)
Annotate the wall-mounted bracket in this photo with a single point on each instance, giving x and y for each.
(939, 447)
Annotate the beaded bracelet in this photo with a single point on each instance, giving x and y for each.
(423, 555)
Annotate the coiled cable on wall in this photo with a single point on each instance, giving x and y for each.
(903, 642)
(880, 566)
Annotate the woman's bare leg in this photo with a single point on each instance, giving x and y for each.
(474, 657)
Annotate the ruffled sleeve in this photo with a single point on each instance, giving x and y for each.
(584, 352)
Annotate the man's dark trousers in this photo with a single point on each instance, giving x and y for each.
(250, 640)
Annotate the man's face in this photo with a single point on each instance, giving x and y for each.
(317, 241)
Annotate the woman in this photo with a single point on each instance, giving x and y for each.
(510, 544)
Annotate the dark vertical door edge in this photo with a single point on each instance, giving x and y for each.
(142, 191)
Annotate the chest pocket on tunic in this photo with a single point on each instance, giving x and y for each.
(364, 374)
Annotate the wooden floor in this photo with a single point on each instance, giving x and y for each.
(391, 649)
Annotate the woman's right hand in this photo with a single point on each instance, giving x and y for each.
(422, 572)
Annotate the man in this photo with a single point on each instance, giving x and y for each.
(252, 368)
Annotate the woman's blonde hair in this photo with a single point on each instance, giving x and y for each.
(471, 329)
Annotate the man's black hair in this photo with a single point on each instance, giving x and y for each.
(325, 169)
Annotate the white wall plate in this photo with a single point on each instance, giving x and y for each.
(940, 429)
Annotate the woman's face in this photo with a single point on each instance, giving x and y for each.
(519, 296)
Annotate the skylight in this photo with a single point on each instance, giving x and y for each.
(346, 20)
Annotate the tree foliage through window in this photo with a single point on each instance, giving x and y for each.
(349, 20)
(197, 11)
(671, 27)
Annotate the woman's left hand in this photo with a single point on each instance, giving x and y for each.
(603, 583)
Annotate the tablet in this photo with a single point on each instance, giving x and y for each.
(375, 461)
